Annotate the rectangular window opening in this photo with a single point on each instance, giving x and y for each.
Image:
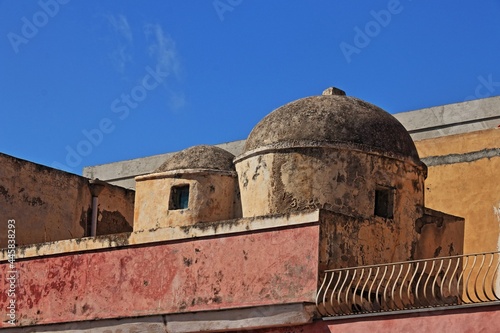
(179, 197)
(384, 202)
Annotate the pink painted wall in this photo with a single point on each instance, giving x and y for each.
(261, 268)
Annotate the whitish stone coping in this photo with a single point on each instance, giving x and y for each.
(248, 318)
(258, 317)
(156, 235)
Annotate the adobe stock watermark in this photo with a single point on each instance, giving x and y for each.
(484, 89)
(11, 275)
(363, 36)
(223, 6)
(31, 26)
(121, 107)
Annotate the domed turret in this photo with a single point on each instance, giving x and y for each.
(333, 120)
(199, 157)
(333, 152)
(194, 185)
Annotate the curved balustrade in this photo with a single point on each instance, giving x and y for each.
(445, 281)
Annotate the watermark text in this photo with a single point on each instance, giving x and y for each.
(121, 107)
(364, 35)
(31, 26)
(11, 276)
(223, 6)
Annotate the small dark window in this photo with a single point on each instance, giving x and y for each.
(179, 197)
(384, 202)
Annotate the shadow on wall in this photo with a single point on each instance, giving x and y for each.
(49, 204)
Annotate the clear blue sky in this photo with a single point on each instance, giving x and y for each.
(92, 82)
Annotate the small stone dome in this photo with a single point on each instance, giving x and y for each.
(332, 119)
(199, 157)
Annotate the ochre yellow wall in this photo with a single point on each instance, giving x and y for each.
(49, 205)
(467, 189)
(211, 198)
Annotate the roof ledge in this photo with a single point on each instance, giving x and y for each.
(259, 317)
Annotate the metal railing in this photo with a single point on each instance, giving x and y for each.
(445, 281)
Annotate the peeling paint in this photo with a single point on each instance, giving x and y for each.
(197, 275)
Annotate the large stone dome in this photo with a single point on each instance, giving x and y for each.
(199, 157)
(333, 119)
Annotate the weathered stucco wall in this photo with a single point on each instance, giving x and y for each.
(46, 204)
(356, 241)
(464, 180)
(343, 181)
(212, 197)
(115, 210)
(49, 204)
(439, 235)
(275, 266)
(347, 241)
